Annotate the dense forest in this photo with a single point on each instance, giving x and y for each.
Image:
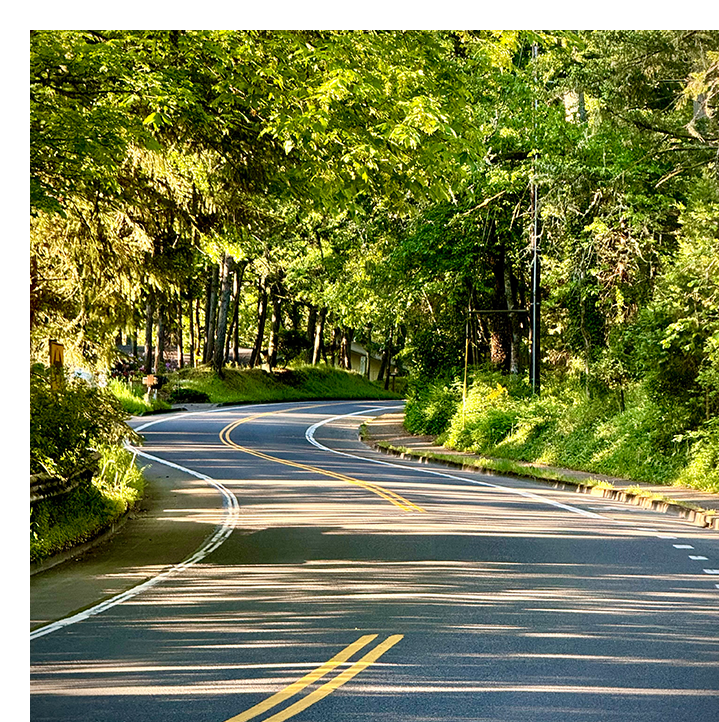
(202, 192)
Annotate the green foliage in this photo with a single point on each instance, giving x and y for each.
(430, 405)
(563, 428)
(383, 179)
(133, 398)
(68, 421)
(65, 521)
(257, 385)
(702, 469)
(680, 328)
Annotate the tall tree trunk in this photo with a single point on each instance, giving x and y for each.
(180, 348)
(160, 339)
(276, 303)
(211, 319)
(255, 359)
(208, 301)
(513, 322)
(198, 334)
(218, 359)
(236, 311)
(346, 348)
(386, 353)
(135, 334)
(499, 343)
(319, 330)
(334, 344)
(149, 325)
(389, 351)
(311, 324)
(192, 335)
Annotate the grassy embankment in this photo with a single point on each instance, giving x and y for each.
(509, 429)
(240, 386)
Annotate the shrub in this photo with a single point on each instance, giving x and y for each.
(702, 469)
(61, 522)
(69, 419)
(181, 395)
(430, 406)
(133, 398)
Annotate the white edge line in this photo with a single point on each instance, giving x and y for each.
(310, 436)
(215, 540)
(218, 537)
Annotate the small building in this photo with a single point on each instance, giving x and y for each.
(361, 358)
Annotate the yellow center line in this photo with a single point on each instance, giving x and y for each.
(305, 681)
(342, 678)
(386, 494)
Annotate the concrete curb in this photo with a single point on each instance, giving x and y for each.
(697, 517)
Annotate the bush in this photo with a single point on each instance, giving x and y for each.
(133, 398)
(181, 395)
(565, 428)
(69, 419)
(702, 469)
(430, 406)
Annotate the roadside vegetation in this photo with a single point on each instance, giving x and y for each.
(238, 386)
(74, 426)
(499, 418)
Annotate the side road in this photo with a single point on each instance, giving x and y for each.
(387, 433)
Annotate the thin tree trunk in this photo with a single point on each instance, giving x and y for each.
(180, 349)
(334, 344)
(261, 320)
(211, 320)
(134, 342)
(272, 344)
(236, 311)
(390, 351)
(513, 322)
(346, 348)
(311, 324)
(208, 300)
(160, 339)
(319, 330)
(149, 324)
(198, 334)
(192, 336)
(218, 360)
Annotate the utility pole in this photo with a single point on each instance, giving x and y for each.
(534, 370)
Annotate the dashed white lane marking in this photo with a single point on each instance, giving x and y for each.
(711, 571)
(683, 546)
(698, 559)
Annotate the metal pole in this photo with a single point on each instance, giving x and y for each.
(535, 308)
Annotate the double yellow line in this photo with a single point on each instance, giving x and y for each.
(328, 687)
(390, 496)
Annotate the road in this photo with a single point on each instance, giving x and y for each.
(335, 584)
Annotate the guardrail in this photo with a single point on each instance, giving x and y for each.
(46, 486)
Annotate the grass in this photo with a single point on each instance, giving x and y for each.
(63, 522)
(134, 399)
(256, 385)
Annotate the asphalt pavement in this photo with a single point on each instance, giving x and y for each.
(280, 569)
(160, 532)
